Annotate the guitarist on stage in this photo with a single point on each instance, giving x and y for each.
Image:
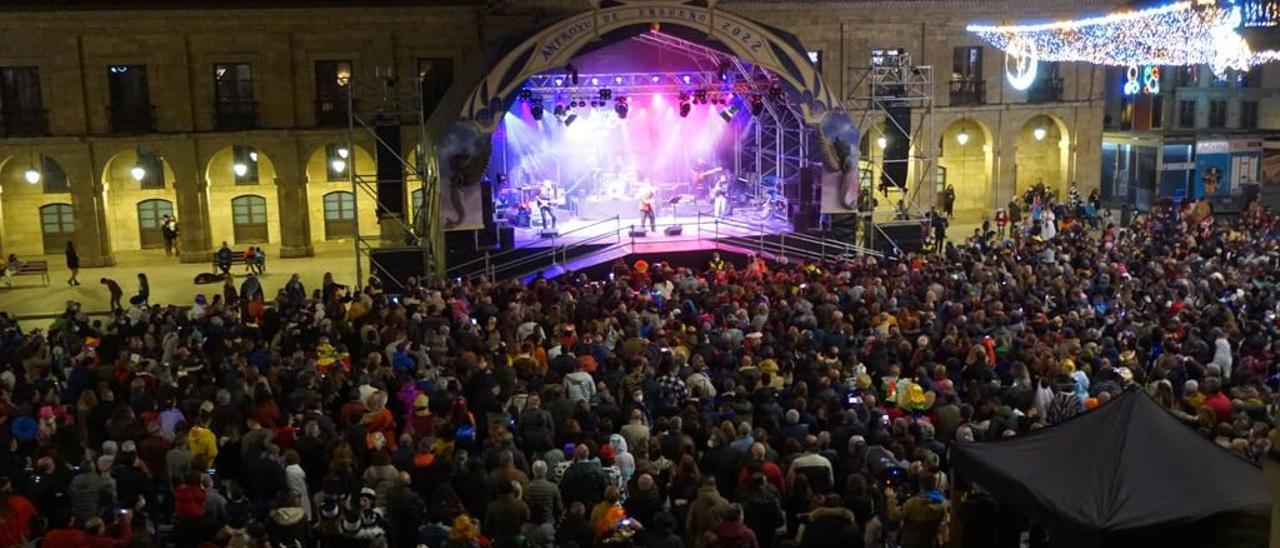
(647, 196)
(546, 197)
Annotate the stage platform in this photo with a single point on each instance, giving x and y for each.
(617, 229)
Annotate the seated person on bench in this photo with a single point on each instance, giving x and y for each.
(222, 259)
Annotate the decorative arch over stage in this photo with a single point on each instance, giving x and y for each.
(462, 125)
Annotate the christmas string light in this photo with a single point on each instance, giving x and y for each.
(1182, 33)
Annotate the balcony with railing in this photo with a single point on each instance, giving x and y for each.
(967, 91)
(235, 115)
(25, 122)
(1047, 90)
(132, 118)
(332, 111)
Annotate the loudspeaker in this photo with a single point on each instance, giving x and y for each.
(549, 233)
(897, 131)
(673, 230)
(390, 170)
(637, 232)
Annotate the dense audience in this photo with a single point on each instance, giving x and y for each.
(772, 405)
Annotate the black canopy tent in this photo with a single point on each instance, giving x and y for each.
(1125, 474)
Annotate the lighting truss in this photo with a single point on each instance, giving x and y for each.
(627, 84)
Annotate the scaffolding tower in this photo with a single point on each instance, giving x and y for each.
(892, 83)
(414, 229)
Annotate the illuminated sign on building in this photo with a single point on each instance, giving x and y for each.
(1142, 80)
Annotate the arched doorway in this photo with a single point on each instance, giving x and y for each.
(965, 153)
(328, 170)
(130, 179)
(29, 185)
(242, 192)
(249, 219)
(1042, 155)
(57, 227)
(339, 215)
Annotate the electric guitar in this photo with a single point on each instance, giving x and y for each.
(646, 200)
(699, 176)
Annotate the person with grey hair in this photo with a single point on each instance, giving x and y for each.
(543, 496)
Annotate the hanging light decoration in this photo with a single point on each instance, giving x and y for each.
(963, 137)
(32, 175)
(1190, 32)
(882, 142)
(1039, 133)
(138, 173)
(240, 169)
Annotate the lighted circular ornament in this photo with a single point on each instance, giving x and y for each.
(1020, 63)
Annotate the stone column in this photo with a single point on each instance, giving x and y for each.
(291, 193)
(192, 193)
(93, 242)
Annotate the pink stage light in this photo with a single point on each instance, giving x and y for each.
(655, 79)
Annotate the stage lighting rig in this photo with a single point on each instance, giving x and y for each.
(700, 96)
(606, 94)
(568, 120)
(559, 111)
(620, 107)
(757, 105)
(536, 109)
(526, 94)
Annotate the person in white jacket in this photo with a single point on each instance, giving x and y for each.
(1222, 352)
(296, 479)
(579, 385)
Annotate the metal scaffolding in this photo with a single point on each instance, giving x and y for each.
(399, 108)
(894, 82)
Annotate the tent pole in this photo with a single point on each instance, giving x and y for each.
(1271, 470)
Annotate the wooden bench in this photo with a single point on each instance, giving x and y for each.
(237, 258)
(34, 268)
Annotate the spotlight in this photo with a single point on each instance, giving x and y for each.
(569, 119)
(685, 107)
(573, 73)
(582, 103)
(962, 137)
(882, 142)
(138, 173)
(700, 96)
(1039, 133)
(32, 175)
(595, 81)
(606, 94)
(617, 80)
(559, 111)
(240, 169)
(620, 107)
(728, 113)
(655, 79)
(685, 78)
(559, 81)
(526, 94)
(536, 110)
(757, 105)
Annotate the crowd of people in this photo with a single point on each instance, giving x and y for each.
(776, 404)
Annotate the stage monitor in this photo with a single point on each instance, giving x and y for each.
(897, 152)
(390, 170)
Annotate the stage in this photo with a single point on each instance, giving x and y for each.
(617, 229)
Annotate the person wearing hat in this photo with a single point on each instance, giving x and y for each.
(365, 522)
(91, 491)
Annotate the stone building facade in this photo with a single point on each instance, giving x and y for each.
(233, 119)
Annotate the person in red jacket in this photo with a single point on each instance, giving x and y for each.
(731, 532)
(188, 499)
(1216, 400)
(94, 535)
(16, 511)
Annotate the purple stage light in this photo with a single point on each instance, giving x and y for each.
(595, 81)
(655, 79)
(617, 80)
(686, 78)
(559, 81)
